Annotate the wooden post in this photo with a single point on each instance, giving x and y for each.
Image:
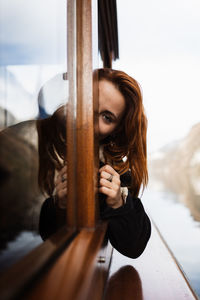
(71, 115)
(86, 171)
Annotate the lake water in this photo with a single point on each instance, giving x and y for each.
(178, 227)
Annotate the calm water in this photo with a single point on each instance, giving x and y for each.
(179, 229)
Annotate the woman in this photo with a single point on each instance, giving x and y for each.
(123, 166)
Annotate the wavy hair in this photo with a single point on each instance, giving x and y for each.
(126, 148)
(51, 148)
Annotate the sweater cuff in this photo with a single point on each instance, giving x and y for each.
(109, 212)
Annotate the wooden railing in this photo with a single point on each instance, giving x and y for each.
(80, 273)
(155, 275)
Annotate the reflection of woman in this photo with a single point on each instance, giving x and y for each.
(123, 165)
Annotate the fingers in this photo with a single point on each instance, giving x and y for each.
(105, 182)
(110, 188)
(108, 169)
(110, 192)
(62, 176)
(114, 198)
(63, 171)
(61, 196)
(61, 187)
(108, 177)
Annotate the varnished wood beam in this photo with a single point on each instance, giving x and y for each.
(85, 167)
(80, 272)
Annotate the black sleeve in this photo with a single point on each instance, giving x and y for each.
(129, 227)
(48, 221)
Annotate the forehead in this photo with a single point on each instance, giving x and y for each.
(110, 98)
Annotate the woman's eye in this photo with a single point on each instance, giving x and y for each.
(107, 119)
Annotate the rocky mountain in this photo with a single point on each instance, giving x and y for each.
(177, 167)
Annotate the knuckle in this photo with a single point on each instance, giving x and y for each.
(103, 174)
(64, 185)
(101, 181)
(107, 167)
(103, 189)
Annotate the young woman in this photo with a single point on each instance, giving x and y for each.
(123, 164)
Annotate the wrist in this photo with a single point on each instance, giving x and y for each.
(122, 199)
(118, 204)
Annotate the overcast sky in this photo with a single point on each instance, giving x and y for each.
(160, 47)
(32, 32)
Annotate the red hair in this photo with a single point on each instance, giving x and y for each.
(126, 148)
(51, 148)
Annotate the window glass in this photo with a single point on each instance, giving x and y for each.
(33, 85)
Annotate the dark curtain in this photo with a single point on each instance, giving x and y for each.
(108, 31)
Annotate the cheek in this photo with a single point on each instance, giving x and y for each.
(105, 129)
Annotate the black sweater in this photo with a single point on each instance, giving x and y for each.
(129, 227)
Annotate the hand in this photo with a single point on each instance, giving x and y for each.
(111, 188)
(61, 188)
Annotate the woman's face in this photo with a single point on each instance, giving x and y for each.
(111, 108)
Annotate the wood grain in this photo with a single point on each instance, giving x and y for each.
(77, 273)
(85, 167)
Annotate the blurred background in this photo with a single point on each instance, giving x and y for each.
(160, 47)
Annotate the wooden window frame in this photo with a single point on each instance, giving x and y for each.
(78, 248)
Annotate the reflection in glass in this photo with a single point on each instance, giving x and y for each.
(52, 173)
(33, 85)
(20, 196)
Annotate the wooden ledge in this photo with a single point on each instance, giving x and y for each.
(80, 271)
(155, 275)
